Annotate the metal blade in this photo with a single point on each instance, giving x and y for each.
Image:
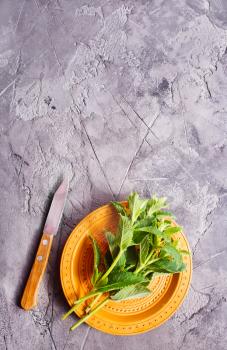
(56, 208)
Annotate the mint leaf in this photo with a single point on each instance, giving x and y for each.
(125, 232)
(162, 213)
(121, 279)
(136, 206)
(131, 292)
(163, 266)
(125, 276)
(96, 262)
(144, 222)
(119, 208)
(121, 262)
(166, 266)
(138, 236)
(141, 232)
(144, 250)
(172, 230)
(174, 243)
(149, 229)
(184, 252)
(173, 254)
(112, 243)
(114, 249)
(155, 204)
(171, 261)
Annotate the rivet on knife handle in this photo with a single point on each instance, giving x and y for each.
(29, 298)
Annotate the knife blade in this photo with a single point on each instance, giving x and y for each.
(29, 298)
(56, 209)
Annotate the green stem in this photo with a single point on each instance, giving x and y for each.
(93, 303)
(152, 261)
(112, 266)
(147, 273)
(145, 265)
(78, 302)
(141, 267)
(150, 255)
(83, 319)
(93, 293)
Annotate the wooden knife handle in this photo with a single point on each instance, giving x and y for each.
(29, 298)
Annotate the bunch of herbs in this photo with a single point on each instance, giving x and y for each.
(142, 247)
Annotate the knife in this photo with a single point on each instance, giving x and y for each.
(29, 298)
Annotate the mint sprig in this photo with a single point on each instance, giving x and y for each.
(142, 247)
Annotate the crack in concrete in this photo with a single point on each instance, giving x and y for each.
(85, 338)
(95, 154)
(66, 341)
(26, 145)
(191, 330)
(203, 311)
(5, 322)
(19, 16)
(7, 87)
(4, 337)
(19, 61)
(207, 86)
(149, 128)
(183, 109)
(172, 89)
(28, 197)
(208, 260)
(17, 156)
(52, 338)
(203, 233)
(213, 124)
(99, 162)
(41, 76)
(137, 114)
(41, 151)
(198, 312)
(142, 141)
(131, 163)
(172, 157)
(210, 203)
(39, 319)
(122, 109)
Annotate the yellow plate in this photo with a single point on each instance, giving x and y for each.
(123, 317)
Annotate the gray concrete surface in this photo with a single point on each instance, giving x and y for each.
(119, 95)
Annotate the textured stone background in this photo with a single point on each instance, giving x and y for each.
(119, 95)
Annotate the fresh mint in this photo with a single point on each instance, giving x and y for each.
(143, 247)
